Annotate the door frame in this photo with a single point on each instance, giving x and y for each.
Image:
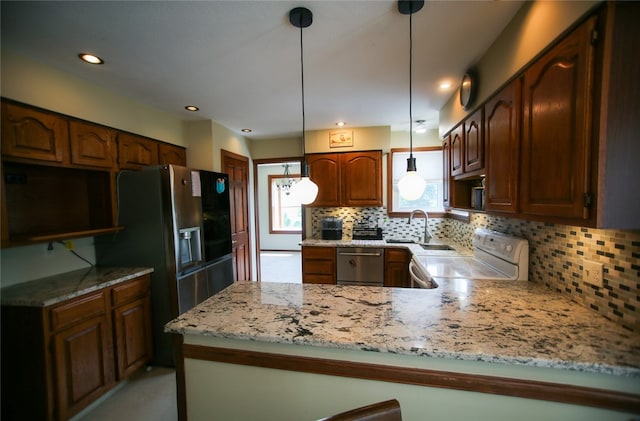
(256, 206)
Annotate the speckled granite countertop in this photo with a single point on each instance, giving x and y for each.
(493, 321)
(54, 289)
(414, 248)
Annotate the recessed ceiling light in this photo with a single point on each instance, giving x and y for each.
(341, 123)
(445, 85)
(421, 127)
(191, 108)
(90, 58)
(246, 130)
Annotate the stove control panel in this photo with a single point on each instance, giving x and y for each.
(507, 247)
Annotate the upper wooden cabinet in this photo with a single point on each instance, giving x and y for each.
(172, 154)
(474, 142)
(92, 145)
(556, 132)
(324, 170)
(33, 134)
(361, 178)
(502, 142)
(456, 142)
(136, 152)
(347, 179)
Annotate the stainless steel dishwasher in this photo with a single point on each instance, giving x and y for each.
(360, 266)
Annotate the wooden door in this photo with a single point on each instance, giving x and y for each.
(92, 145)
(136, 152)
(396, 268)
(33, 134)
(556, 149)
(361, 178)
(474, 142)
(172, 154)
(324, 170)
(457, 150)
(502, 142)
(237, 166)
(446, 172)
(132, 333)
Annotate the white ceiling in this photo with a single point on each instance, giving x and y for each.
(239, 61)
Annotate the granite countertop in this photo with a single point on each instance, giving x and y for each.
(416, 249)
(54, 289)
(493, 321)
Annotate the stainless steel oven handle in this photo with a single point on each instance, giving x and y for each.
(416, 279)
(360, 254)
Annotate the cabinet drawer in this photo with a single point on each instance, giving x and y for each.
(319, 253)
(319, 279)
(77, 310)
(130, 291)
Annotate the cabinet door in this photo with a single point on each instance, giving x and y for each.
(92, 145)
(361, 175)
(172, 154)
(396, 268)
(446, 172)
(474, 142)
(556, 148)
(132, 333)
(84, 364)
(324, 170)
(136, 152)
(502, 141)
(319, 265)
(457, 150)
(32, 134)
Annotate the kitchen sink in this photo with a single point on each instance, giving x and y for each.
(436, 247)
(399, 241)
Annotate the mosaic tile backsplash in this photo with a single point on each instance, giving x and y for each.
(556, 255)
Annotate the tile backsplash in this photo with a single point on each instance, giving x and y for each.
(556, 255)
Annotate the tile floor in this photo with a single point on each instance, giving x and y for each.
(151, 395)
(281, 266)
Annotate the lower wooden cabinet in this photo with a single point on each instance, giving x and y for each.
(396, 268)
(318, 265)
(56, 360)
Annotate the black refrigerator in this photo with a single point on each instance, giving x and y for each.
(176, 220)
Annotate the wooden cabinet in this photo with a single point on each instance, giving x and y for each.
(33, 134)
(136, 152)
(446, 170)
(456, 141)
(172, 154)
(132, 325)
(318, 265)
(556, 135)
(56, 360)
(396, 267)
(347, 179)
(473, 143)
(502, 141)
(82, 352)
(361, 178)
(92, 145)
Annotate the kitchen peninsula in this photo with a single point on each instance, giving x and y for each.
(465, 350)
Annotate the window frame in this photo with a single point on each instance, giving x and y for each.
(398, 214)
(271, 179)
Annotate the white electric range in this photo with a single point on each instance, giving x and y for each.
(495, 256)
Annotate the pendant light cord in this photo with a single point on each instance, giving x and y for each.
(410, 85)
(304, 170)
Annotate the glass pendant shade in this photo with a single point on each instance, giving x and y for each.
(305, 190)
(411, 186)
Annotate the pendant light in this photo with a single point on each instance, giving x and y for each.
(411, 185)
(305, 189)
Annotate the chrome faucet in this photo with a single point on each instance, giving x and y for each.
(427, 234)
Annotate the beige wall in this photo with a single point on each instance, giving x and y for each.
(30, 82)
(364, 138)
(534, 27)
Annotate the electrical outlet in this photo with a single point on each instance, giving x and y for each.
(592, 273)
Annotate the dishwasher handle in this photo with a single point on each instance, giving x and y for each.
(417, 279)
(359, 254)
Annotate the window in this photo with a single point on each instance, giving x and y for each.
(285, 213)
(429, 165)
